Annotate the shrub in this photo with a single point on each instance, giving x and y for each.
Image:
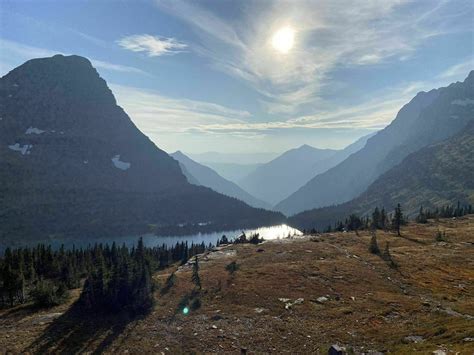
(169, 283)
(374, 247)
(441, 236)
(46, 294)
(388, 257)
(232, 267)
(196, 304)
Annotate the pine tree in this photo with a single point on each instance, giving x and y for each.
(195, 276)
(383, 219)
(374, 247)
(388, 257)
(376, 218)
(421, 218)
(398, 219)
(354, 223)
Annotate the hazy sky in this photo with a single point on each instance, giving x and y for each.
(206, 76)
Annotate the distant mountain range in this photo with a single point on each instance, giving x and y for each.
(434, 176)
(235, 158)
(430, 117)
(199, 174)
(233, 171)
(73, 163)
(279, 178)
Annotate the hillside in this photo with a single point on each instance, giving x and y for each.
(427, 119)
(278, 178)
(232, 172)
(199, 174)
(285, 174)
(432, 177)
(73, 163)
(288, 296)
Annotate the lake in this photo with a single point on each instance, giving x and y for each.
(267, 233)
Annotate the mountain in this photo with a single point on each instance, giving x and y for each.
(73, 163)
(434, 176)
(285, 174)
(232, 171)
(275, 180)
(428, 118)
(235, 158)
(199, 174)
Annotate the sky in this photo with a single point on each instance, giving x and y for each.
(203, 75)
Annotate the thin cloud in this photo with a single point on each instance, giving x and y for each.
(330, 35)
(25, 52)
(117, 67)
(458, 71)
(155, 113)
(153, 46)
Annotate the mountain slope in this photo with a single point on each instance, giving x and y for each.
(285, 174)
(428, 118)
(432, 177)
(199, 174)
(280, 177)
(232, 172)
(73, 163)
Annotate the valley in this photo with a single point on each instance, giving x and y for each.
(237, 177)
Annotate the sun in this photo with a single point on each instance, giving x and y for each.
(283, 39)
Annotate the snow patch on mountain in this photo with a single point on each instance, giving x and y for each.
(32, 130)
(120, 164)
(25, 149)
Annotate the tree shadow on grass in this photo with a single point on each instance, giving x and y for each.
(77, 331)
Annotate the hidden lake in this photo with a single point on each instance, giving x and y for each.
(150, 240)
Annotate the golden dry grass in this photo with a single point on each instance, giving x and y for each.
(370, 305)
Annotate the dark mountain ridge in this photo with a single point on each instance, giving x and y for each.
(73, 163)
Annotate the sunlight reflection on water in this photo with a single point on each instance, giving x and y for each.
(267, 233)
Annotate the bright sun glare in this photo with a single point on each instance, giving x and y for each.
(283, 39)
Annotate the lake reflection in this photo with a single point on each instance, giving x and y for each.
(267, 233)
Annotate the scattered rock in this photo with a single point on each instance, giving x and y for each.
(260, 250)
(46, 318)
(336, 350)
(468, 339)
(289, 303)
(321, 299)
(413, 339)
(259, 310)
(439, 352)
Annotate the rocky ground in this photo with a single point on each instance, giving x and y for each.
(288, 296)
